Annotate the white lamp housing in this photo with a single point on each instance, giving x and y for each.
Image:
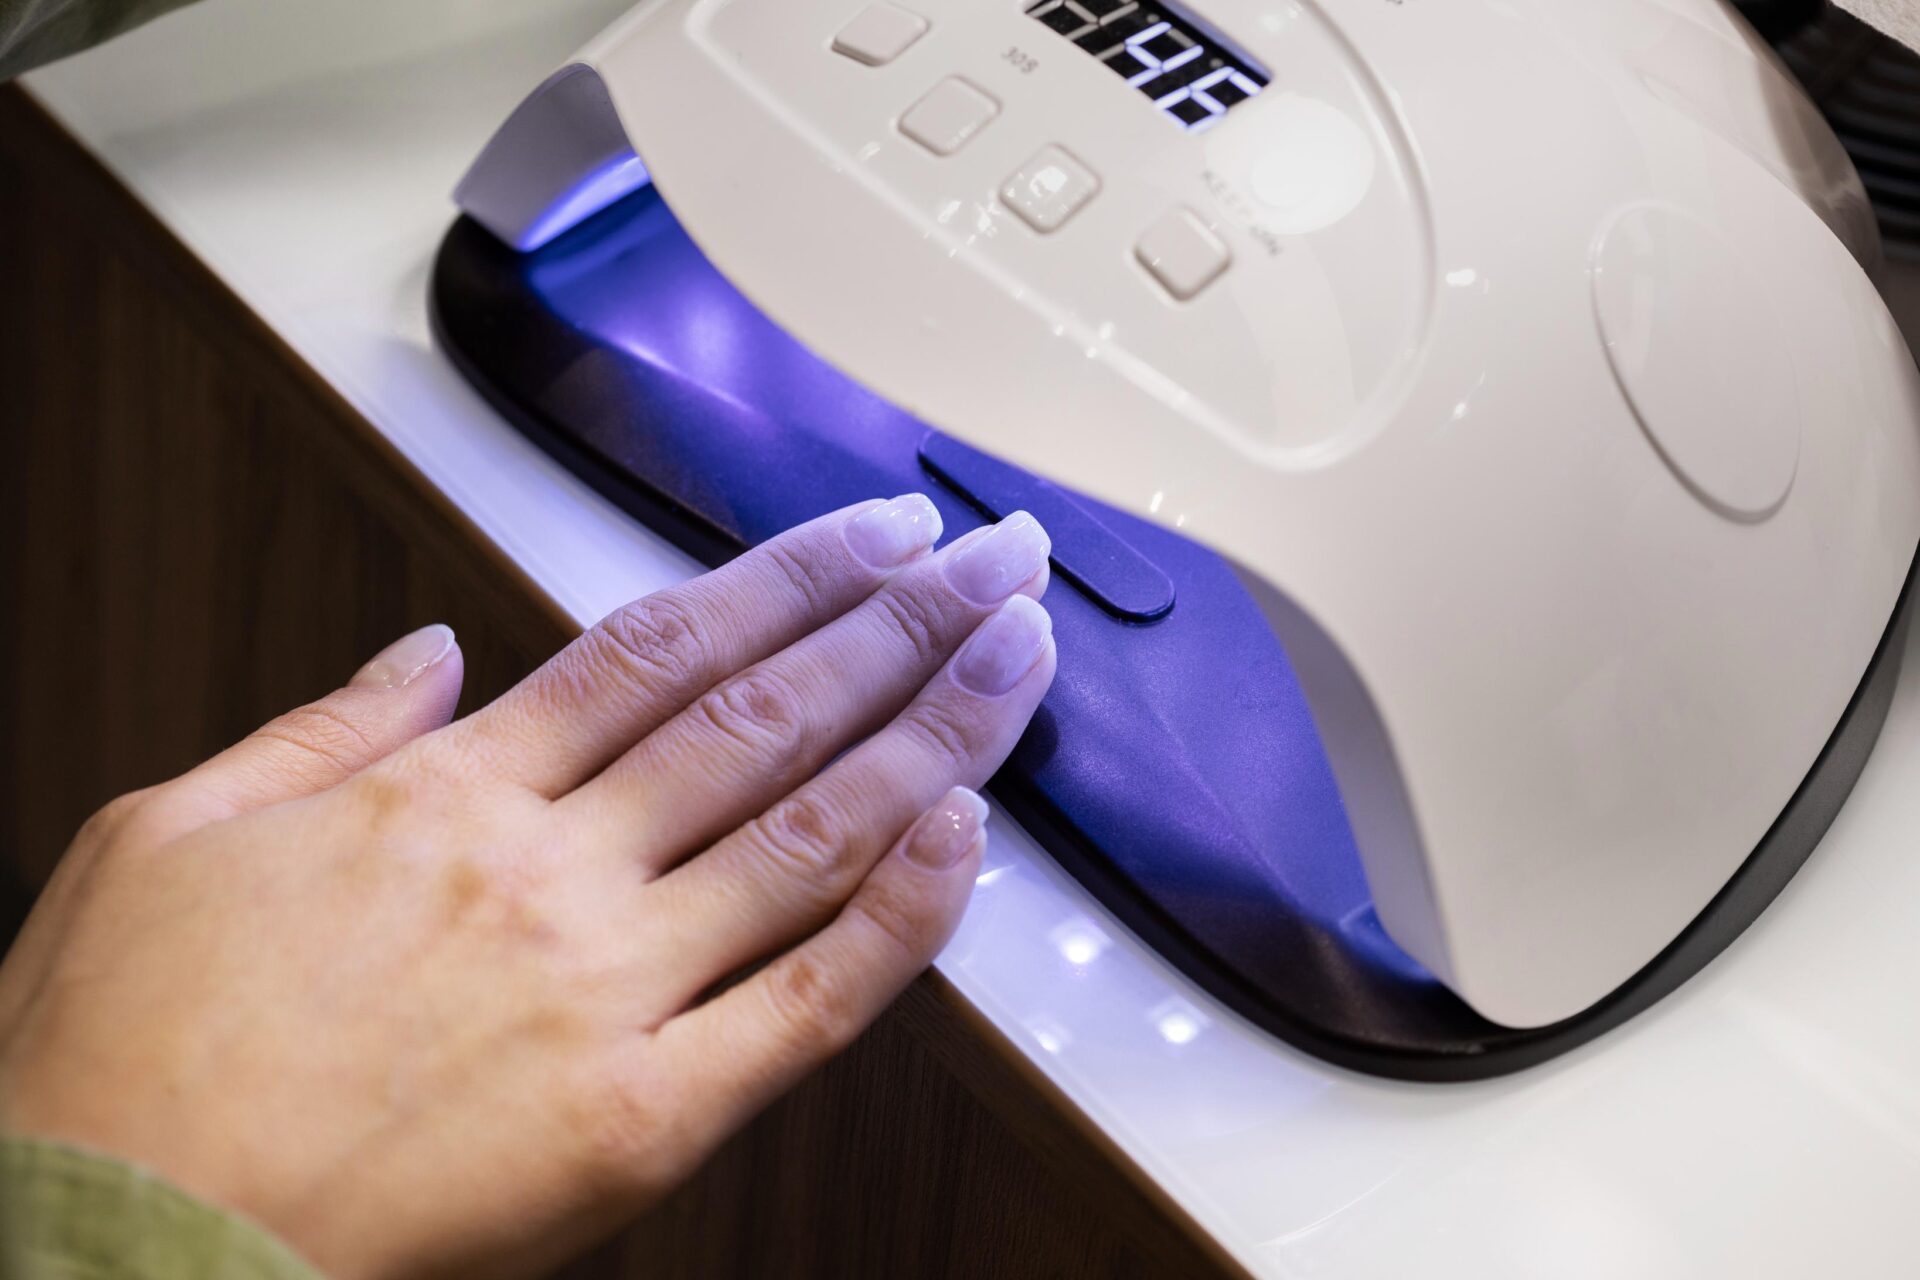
(1523, 357)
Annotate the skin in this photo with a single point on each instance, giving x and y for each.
(433, 998)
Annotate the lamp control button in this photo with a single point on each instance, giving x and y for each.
(879, 34)
(1183, 253)
(948, 116)
(1049, 189)
(1692, 330)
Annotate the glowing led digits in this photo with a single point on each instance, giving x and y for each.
(1191, 76)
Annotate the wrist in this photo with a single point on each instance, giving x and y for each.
(67, 1210)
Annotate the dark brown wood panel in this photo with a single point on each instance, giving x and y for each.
(198, 533)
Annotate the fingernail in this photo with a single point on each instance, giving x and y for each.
(1003, 648)
(405, 660)
(945, 832)
(992, 566)
(894, 532)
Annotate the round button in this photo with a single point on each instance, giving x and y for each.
(1315, 167)
(1697, 348)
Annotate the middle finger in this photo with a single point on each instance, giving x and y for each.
(752, 738)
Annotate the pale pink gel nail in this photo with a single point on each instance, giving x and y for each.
(945, 833)
(992, 566)
(1004, 648)
(406, 659)
(895, 531)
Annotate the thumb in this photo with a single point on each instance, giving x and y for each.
(407, 689)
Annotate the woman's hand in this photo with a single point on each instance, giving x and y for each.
(434, 997)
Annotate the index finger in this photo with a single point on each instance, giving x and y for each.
(645, 662)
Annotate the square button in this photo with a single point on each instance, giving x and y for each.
(1183, 253)
(879, 34)
(953, 112)
(1049, 189)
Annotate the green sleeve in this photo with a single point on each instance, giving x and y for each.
(37, 31)
(68, 1215)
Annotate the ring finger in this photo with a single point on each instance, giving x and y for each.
(787, 872)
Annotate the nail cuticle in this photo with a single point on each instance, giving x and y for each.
(1004, 648)
(895, 531)
(406, 659)
(942, 837)
(424, 667)
(1001, 560)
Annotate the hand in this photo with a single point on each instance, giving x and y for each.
(431, 997)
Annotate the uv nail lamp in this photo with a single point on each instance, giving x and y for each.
(1483, 474)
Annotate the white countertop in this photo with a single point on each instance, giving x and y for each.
(1764, 1121)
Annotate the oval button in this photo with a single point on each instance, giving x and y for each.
(1696, 346)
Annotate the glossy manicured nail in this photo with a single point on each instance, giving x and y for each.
(1003, 648)
(945, 832)
(992, 566)
(894, 532)
(406, 659)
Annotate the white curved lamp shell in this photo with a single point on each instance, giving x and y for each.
(1546, 404)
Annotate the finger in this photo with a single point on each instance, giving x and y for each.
(785, 873)
(642, 664)
(754, 1041)
(754, 737)
(408, 689)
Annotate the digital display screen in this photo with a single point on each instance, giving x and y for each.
(1191, 76)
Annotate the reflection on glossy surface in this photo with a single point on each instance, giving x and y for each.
(1080, 941)
(600, 189)
(1178, 1021)
(1049, 1034)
